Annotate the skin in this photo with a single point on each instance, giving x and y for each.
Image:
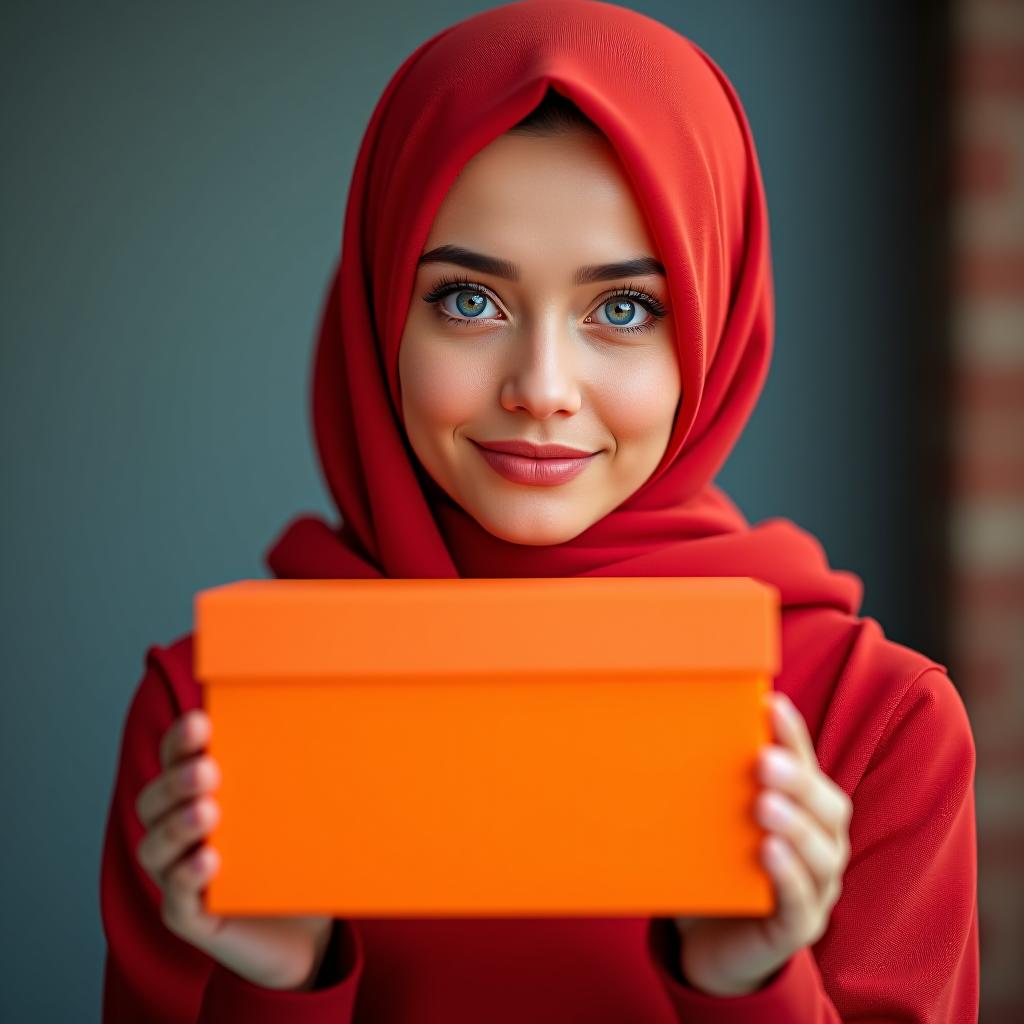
(538, 369)
(543, 361)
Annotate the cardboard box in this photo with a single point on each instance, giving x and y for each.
(485, 747)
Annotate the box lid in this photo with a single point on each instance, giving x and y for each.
(581, 625)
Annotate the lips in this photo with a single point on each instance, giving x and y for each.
(535, 451)
(515, 461)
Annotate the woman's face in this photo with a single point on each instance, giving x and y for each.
(542, 342)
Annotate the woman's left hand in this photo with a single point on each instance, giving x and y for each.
(806, 852)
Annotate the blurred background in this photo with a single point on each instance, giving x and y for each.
(174, 180)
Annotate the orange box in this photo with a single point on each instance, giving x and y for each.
(485, 747)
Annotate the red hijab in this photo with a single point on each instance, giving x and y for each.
(683, 138)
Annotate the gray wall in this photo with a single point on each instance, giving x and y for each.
(174, 179)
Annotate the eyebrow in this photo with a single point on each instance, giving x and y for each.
(638, 266)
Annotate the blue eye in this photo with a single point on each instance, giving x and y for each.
(622, 312)
(622, 308)
(471, 302)
(468, 303)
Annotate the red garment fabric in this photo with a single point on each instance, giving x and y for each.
(888, 724)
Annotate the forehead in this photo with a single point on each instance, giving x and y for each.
(544, 202)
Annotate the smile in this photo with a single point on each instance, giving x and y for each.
(539, 472)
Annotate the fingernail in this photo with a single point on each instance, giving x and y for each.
(203, 773)
(211, 774)
(778, 766)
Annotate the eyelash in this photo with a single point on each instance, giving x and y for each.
(447, 285)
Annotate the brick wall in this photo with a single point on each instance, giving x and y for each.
(986, 535)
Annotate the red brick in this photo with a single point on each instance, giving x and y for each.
(976, 387)
(984, 168)
(990, 68)
(973, 478)
(1003, 588)
(991, 272)
(980, 432)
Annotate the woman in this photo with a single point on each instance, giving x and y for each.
(556, 234)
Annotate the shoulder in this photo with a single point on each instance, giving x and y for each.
(932, 716)
(862, 690)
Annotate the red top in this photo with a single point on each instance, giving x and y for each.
(902, 942)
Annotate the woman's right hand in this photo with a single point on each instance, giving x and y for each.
(178, 811)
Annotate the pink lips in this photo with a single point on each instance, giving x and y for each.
(543, 465)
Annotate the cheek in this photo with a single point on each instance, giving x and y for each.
(638, 402)
(440, 387)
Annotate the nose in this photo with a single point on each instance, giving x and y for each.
(543, 379)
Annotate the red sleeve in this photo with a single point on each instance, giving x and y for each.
(153, 976)
(902, 942)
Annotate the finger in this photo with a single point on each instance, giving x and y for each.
(188, 735)
(818, 850)
(198, 774)
(182, 900)
(781, 769)
(791, 728)
(164, 844)
(796, 901)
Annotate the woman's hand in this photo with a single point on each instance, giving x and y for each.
(178, 811)
(809, 816)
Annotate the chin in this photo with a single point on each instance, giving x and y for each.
(531, 533)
